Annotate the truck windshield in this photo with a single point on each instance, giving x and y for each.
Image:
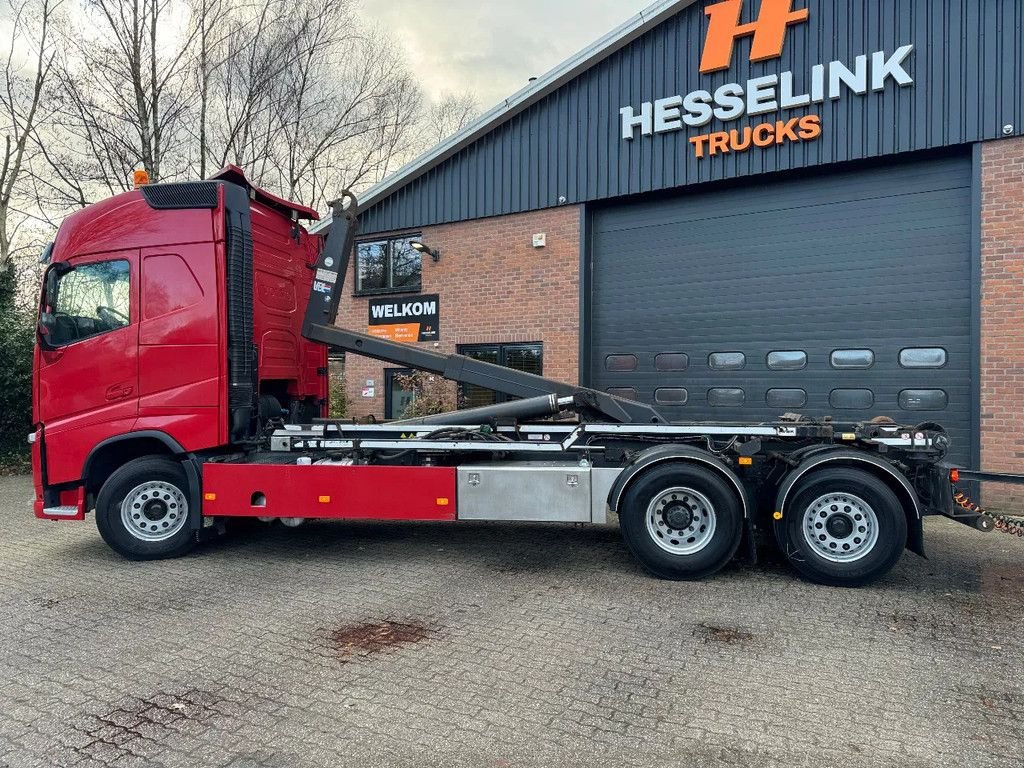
(89, 300)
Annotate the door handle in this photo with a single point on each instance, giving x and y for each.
(119, 391)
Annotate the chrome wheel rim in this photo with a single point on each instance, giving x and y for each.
(681, 521)
(840, 527)
(154, 511)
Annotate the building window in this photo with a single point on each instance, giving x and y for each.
(924, 400)
(851, 399)
(387, 266)
(520, 357)
(672, 361)
(853, 358)
(785, 398)
(921, 357)
(671, 396)
(396, 397)
(620, 363)
(727, 361)
(787, 361)
(726, 397)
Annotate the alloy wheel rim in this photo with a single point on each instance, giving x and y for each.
(154, 511)
(681, 520)
(840, 527)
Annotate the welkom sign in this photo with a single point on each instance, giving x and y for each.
(773, 95)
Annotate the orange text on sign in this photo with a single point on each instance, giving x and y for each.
(769, 31)
(805, 128)
(407, 332)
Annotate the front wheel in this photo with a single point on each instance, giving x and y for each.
(681, 521)
(843, 527)
(142, 510)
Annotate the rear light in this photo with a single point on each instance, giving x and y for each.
(954, 476)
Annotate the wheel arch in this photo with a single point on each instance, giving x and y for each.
(877, 467)
(679, 454)
(114, 452)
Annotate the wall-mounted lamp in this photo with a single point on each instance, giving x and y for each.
(419, 247)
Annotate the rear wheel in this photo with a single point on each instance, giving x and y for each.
(681, 521)
(142, 510)
(843, 527)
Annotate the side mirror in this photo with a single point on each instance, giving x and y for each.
(45, 328)
(53, 276)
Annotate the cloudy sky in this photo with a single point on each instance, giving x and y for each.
(492, 47)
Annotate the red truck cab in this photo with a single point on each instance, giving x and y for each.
(170, 323)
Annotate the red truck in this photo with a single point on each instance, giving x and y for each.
(180, 381)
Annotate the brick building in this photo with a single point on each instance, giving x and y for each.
(736, 210)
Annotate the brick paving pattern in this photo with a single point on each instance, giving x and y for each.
(359, 644)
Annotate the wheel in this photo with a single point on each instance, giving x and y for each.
(681, 521)
(843, 527)
(142, 510)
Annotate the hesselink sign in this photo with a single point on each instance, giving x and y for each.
(766, 95)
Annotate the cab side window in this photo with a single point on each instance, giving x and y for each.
(91, 299)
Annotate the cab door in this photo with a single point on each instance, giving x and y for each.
(88, 357)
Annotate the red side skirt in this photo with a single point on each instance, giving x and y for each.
(356, 492)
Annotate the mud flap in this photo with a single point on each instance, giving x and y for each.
(915, 536)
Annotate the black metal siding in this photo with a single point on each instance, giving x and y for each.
(968, 67)
(876, 259)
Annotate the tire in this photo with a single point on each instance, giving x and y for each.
(142, 510)
(707, 514)
(269, 409)
(843, 527)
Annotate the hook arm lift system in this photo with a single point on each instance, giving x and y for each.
(542, 397)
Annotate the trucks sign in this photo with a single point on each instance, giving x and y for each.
(412, 318)
(769, 94)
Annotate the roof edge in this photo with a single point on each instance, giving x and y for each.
(521, 100)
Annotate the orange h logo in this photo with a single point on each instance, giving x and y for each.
(769, 31)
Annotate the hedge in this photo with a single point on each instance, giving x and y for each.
(16, 339)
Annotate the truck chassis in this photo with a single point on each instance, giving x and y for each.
(841, 501)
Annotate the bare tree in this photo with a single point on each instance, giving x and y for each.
(302, 95)
(22, 92)
(449, 115)
(254, 52)
(209, 19)
(345, 106)
(122, 100)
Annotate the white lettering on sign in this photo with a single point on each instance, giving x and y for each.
(630, 120)
(769, 93)
(405, 309)
(882, 68)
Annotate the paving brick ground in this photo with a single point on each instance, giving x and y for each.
(495, 645)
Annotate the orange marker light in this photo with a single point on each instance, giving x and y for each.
(954, 476)
(140, 177)
(209, 497)
(746, 461)
(442, 502)
(324, 499)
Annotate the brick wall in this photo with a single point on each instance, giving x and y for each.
(1002, 316)
(494, 286)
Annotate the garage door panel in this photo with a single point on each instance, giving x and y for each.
(811, 202)
(714, 267)
(760, 225)
(876, 259)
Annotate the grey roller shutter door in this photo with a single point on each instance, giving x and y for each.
(859, 280)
